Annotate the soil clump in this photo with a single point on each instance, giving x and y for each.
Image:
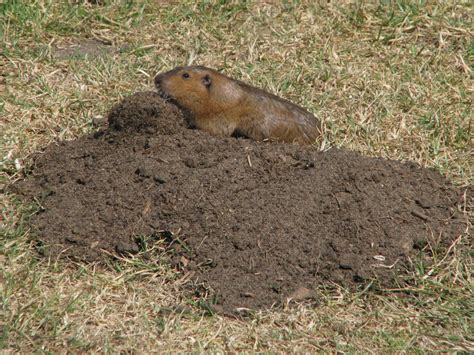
(254, 222)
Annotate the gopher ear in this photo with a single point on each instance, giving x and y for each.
(207, 81)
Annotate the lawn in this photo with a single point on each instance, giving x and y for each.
(390, 79)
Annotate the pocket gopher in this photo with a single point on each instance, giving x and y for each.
(226, 107)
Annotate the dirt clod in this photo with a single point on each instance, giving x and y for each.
(254, 233)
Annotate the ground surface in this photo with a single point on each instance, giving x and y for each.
(390, 79)
(256, 222)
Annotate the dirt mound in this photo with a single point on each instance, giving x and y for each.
(256, 221)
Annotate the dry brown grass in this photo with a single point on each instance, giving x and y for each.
(392, 80)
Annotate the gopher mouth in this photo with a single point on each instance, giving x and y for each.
(163, 94)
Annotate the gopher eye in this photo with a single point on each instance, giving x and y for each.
(185, 75)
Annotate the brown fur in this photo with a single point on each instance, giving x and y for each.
(227, 107)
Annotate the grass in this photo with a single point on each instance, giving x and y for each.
(388, 79)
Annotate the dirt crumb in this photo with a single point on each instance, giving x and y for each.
(260, 222)
(87, 47)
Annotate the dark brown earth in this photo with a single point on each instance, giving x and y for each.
(255, 221)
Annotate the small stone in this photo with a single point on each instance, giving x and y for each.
(159, 179)
(72, 239)
(184, 261)
(190, 162)
(126, 248)
(424, 203)
(99, 120)
(142, 172)
(301, 294)
(247, 295)
(345, 266)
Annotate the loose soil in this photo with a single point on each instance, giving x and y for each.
(88, 47)
(254, 222)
